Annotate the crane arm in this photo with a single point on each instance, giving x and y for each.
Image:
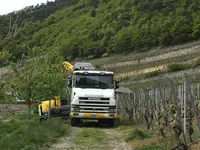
(68, 66)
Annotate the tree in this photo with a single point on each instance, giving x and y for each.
(39, 79)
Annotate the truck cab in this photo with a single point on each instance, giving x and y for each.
(92, 95)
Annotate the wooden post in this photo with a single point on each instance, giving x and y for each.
(49, 110)
(185, 112)
(29, 117)
(198, 88)
(192, 89)
(156, 98)
(182, 97)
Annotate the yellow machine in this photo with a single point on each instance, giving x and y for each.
(54, 104)
(68, 66)
(56, 107)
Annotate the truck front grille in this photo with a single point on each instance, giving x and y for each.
(93, 98)
(94, 104)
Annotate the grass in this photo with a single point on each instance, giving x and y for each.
(142, 139)
(178, 67)
(14, 136)
(151, 147)
(196, 62)
(133, 67)
(195, 135)
(153, 73)
(136, 134)
(89, 136)
(172, 67)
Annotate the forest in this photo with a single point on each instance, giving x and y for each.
(90, 28)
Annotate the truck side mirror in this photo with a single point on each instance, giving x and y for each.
(116, 84)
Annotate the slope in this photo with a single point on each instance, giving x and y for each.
(90, 28)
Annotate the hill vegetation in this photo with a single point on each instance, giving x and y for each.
(90, 28)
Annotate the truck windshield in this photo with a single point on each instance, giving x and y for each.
(93, 81)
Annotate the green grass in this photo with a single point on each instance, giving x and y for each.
(151, 147)
(173, 67)
(153, 73)
(136, 134)
(195, 136)
(196, 62)
(89, 136)
(178, 67)
(14, 136)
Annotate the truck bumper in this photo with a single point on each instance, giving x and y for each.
(93, 115)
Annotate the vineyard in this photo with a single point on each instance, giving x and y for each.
(171, 106)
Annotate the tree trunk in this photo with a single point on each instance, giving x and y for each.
(29, 117)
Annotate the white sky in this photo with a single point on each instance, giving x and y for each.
(7, 6)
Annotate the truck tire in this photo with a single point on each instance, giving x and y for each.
(65, 115)
(75, 121)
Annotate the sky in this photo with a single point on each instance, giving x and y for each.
(7, 6)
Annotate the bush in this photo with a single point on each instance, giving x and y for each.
(152, 74)
(196, 62)
(136, 134)
(178, 67)
(14, 136)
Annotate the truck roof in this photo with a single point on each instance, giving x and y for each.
(83, 65)
(93, 71)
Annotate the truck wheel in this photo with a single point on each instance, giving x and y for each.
(65, 115)
(75, 121)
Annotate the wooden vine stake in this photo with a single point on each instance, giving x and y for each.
(185, 112)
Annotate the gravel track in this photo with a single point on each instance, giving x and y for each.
(113, 141)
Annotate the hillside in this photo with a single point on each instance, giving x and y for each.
(137, 67)
(149, 44)
(90, 28)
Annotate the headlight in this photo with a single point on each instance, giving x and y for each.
(75, 108)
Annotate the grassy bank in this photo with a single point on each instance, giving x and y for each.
(140, 138)
(14, 134)
(170, 68)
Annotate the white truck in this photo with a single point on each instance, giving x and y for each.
(92, 95)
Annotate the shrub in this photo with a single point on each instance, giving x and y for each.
(196, 62)
(14, 136)
(136, 134)
(152, 74)
(178, 67)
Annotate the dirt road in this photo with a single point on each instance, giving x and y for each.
(112, 140)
